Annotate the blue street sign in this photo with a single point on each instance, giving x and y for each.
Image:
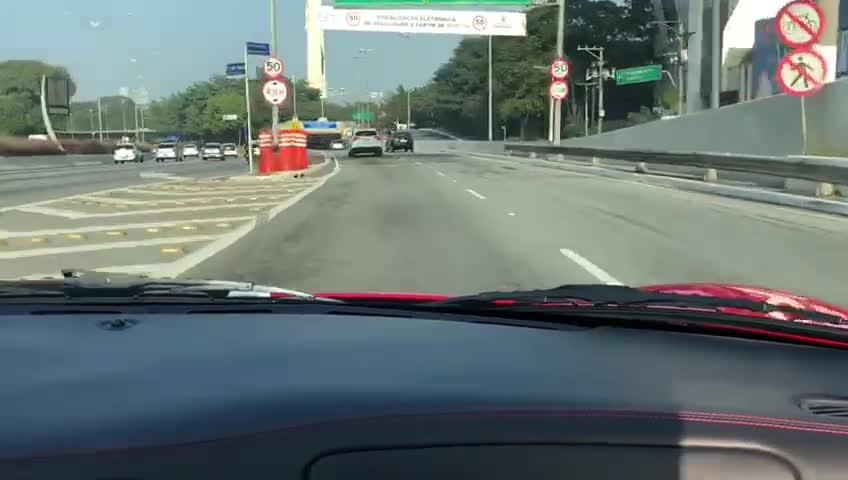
(235, 69)
(254, 48)
(319, 124)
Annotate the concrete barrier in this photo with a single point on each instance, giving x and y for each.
(769, 126)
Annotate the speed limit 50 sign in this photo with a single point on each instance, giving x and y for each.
(273, 67)
(560, 68)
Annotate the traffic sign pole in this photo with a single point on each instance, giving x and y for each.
(247, 105)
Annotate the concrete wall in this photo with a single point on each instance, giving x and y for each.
(769, 126)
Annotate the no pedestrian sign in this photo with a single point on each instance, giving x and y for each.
(801, 73)
(275, 92)
(799, 23)
(558, 90)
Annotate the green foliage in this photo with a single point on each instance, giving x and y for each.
(197, 112)
(20, 89)
(456, 97)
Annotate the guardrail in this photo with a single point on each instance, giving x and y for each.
(818, 169)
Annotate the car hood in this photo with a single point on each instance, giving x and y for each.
(717, 290)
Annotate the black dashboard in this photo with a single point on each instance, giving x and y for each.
(336, 396)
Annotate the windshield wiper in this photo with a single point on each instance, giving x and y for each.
(616, 296)
(92, 285)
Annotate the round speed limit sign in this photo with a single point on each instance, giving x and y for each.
(275, 92)
(273, 67)
(558, 90)
(560, 68)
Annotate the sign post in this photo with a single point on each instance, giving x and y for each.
(802, 72)
(251, 48)
(558, 89)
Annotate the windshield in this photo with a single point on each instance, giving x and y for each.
(485, 148)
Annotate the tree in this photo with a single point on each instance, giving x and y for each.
(20, 92)
(456, 97)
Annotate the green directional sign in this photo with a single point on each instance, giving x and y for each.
(643, 74)
(363, 116)
(389, 3)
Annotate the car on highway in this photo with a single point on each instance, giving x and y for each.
(665, 382)
(365, 140)
(212, 150)
(190, 150)
(127, 152)
(401, 140)
(337, 144)
(230, 150)
(168, 151)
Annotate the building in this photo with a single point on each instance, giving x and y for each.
(742, 60)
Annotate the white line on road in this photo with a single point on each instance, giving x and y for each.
(440, 173)
(472, 192)
(590, 267)
(39, 252)
(418, 163)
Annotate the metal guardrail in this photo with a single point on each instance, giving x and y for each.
(819, 169)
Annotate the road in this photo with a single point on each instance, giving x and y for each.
(452, 223)
(438, 220)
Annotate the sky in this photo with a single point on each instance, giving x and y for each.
(166, 45)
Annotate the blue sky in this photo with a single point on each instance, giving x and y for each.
(166, 45)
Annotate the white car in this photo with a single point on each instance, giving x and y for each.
(230, 150)
(365, 140)
(127, 152)
(191, 150)
(168, 151)
(337, 144)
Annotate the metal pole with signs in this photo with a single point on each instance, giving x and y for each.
(560, 49)
(249, 118)
(802, 72)
(251, 48)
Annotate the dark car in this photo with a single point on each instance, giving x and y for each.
(401, 141)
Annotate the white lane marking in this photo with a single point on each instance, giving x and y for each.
(472, 192)
(454, 180)
(440, 173)
(129, 226)
(40, 252)
(590, 267)
(72, 214)
(194, 258)
(418, 163)
(99, 192)
(511, 214)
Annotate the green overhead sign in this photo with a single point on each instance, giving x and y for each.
(643, 74)
(363, 116)
(389, 3)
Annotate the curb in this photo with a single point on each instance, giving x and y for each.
(819, 205)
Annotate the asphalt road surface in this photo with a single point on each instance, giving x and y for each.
(454, 223)
(438, 220)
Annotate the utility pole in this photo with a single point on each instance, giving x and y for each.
(682, 47)
(409, 109)
(100, 118)
(275, 109)
(560, 52)
(491, 96)
(598, 53)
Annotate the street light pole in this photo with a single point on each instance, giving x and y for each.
(100, 118)
(275, 110)
(491, 96)
(560, 50)
(124, 113)
(409, 110)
